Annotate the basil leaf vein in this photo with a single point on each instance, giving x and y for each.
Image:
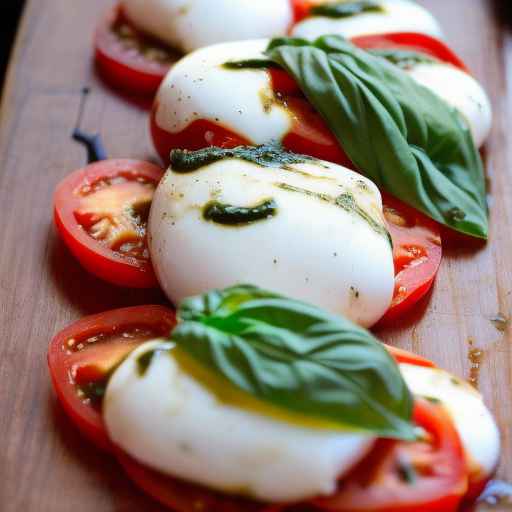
(297, 357)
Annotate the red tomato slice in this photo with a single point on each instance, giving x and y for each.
(301, 9)
(421, 43)
(81, 357)
(378, 484)
(101, 214)
(128, 59)
(403, 356)
(429, 475)
(181, 496)
(417, 253)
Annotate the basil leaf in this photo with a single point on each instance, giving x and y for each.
(404, 59)
(297, 357)
(397, 132)
(346, 8)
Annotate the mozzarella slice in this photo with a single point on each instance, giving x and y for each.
(196, 89)
(199, 87)
(460, 90)
(169, 422)
(312, 248)
(474, 422)
(397, 16)
(190, 24)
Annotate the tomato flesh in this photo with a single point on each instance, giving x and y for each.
(397, 476)
(82, 356)
(129, 60)
(101, 214)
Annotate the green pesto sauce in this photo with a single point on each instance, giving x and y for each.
(346, 201)
(230, 215)
(404, 59)
(250, 64)
(94, 391)
(266, 155)
(346, 8)
(144, 361)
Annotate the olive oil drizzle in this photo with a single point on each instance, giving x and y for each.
(251, 64)
(346, 201)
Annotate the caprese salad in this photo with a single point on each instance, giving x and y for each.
(138, 41)
(254, 401)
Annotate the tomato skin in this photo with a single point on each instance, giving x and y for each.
(61, 360)
(417, 254)
(421, 43)
(403, 356)
(301, 9)
(96, 258)
(123, 69)
(181, 496)
(374, 485)
(197, 135)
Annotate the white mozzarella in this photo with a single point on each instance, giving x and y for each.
(168, 421)
(190, 24)
(198, 87)
(474, 422)
(311, 249)
(460, 90)
(397, 16)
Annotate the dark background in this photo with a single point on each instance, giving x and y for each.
(10, 11)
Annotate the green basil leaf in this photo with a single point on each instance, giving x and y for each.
(297, 357)
(397, 132)
(346, 8)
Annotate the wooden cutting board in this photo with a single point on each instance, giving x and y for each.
(45, 465)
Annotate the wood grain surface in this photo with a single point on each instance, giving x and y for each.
(45, 465)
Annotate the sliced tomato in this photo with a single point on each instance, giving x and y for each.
(417, 253)
(421, 43)
(101, 214)
(397, 476)
(403, 356)
(301, 9)
(82, 356)
(128, 59)
(181, 496)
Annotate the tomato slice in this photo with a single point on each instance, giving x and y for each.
(82, 356)
(421, 43)
(128, 59)
(101, 214)
(429, 475)
(403, 356)
(417, 253)
(181, 496)
(397, 476)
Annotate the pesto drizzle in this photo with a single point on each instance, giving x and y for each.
(346, 201)
(345, 9)
(266, 155)
(404, 59)
(144, 360)
(230, 215)
(251, 64)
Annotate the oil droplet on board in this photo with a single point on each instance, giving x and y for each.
(475, 356)
(500, 321)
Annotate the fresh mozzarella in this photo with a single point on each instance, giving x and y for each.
(473, 421)
(190, 24)
(196, 89)
(396, 16)
(168, 421)
(312, 249)
(199, 87)
(460, 90)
